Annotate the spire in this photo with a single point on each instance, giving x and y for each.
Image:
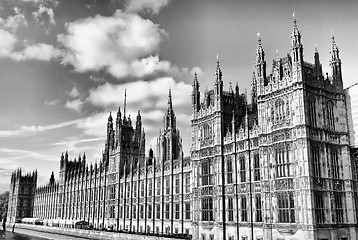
(119, 114)
(170, 104)
(218, 73)
(295, 35)
(110, 119)
(334, 53)
(195, 94)
(260, 54)
(335, 63)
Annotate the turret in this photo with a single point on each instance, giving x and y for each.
(138, 128)
(335, 63)
(52, 179)
(62, 161)
(296, 45)
(317, 64)
(218, 79)
(195, 95)
(169, 116)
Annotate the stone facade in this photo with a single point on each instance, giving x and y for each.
(280, 167)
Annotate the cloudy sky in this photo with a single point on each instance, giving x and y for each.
(64, 64)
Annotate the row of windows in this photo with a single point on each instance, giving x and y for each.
(320, 207)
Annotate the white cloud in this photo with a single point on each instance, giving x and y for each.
(7, 43)
(40, 51)
(75, 105)
(123, 45)
(28, 130)
(12, 23)
(146, 5)
(74, 92)
(44, 12)
(141, 93)
(52, 102)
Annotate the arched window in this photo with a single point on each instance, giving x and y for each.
(207, 131)
(312, 111)
(280, 110)
(330, 115)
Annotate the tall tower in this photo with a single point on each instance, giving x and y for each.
(21, 196)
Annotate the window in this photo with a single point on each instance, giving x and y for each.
(334, 163)
(112, 192)
(149, 211)
(206, 173)
(157, 208)
(243, 209)
(149, 187)
(187, 211)
(128, 191)
(127, 211)
(187, 182)
(257, 174)
(142, 188)
(141, 209)
(167, 185)
(316, 163)
(312, 111)
(177, 211)
(229, 170)
(158, 185)
(134, 189)
(242, 169)
(207, 131)
(258, 209)
(230, 209)
(330, 116)
(167, 212)
(282, 168)
(339, 207)
(319, 207)
(207, 209)
(112, 211)
(134, 209)
(286, 208)
(177, 184)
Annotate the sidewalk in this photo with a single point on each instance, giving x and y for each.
(44, 235)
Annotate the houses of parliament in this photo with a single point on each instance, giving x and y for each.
(281, 167)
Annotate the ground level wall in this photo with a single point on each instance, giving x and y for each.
(87, 234)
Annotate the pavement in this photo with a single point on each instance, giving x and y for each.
(24, 234)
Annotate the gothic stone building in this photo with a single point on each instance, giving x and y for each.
(125, 191)
(279, 168)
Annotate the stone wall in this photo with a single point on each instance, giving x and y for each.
(82, 233)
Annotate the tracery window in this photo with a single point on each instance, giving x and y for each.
(258, 209)
(282, 162)
(316, 163)
(187, 182)
(242, 169)
(177, 183)
(257, 174)
(229, 170)
(243, 209)
(230, 209)
(167, 185)
(286, 207)
(338, 200)
(335, 166)
(312, 111)
(150, 211)
(207, 131)
(319, 207)
(207, 209)
(330, 115)
(206, 175)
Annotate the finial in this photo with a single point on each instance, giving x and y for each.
(217, 57)
(315, 47)
(110, 116)
(259, 37)
(294, 18)
(332, 37)
(195, 76)
(277, 53)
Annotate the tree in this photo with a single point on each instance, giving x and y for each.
(4, 199)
